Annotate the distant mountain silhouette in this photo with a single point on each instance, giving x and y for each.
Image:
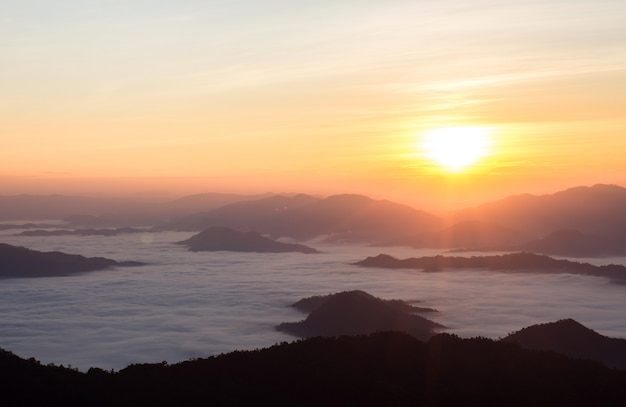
(22, 262)
(339, 218)
(46, 207)
(573, 339)
(596, 210)
(222, 238)
(517, 262)
(382, 369)
(517, 223)
(152, 212)
(255, 215)
(471, 234)
(574, 243)
(81, 232)
(355, 313)
(92, 212)
(474, 235)
(594, 216)
(310, 304)
(30, 225)
(198, 202)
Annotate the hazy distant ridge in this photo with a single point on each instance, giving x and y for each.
(595, 215)
(600, 209)
(339, 218)
(578, 222)
(111, 212)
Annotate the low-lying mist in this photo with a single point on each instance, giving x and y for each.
(184, 305)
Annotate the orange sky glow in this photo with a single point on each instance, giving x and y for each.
(319, 97)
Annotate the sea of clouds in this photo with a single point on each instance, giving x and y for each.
(183, 305)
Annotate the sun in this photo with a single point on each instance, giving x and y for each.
(456, 147)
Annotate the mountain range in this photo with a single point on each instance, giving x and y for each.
(110, 212)
(509, 262)
(578, 222)
(338, 218)
(595, 210)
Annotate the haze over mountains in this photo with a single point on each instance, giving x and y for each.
(578, 222)
(597, 210)
(583, 221)
(110, 212)
(338, 218)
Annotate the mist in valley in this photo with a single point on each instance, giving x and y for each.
(184, 304)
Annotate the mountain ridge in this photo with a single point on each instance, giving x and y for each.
(222, 238)
(571, 338)
(18, 262)
(385, 368)
(339, 218)
(358, 313)
(509, 262)
(596, 209)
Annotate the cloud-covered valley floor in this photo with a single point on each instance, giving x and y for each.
(184, 305)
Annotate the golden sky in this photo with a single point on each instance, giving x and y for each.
(306, 96)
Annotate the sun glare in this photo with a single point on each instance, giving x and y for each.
(456, 147)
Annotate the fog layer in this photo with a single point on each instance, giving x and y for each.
(184, 305)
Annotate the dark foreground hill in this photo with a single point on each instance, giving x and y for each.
(357, 312)
(223, 238)
(573, 339)
(512, 262)
(390, 369)
(23, 262)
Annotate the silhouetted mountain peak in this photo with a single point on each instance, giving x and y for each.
(349, 200)
(598, 210)
(594, 190)
(574, 243)
(357, 312)
(223, 238)
(570, 337)
(564, 328)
